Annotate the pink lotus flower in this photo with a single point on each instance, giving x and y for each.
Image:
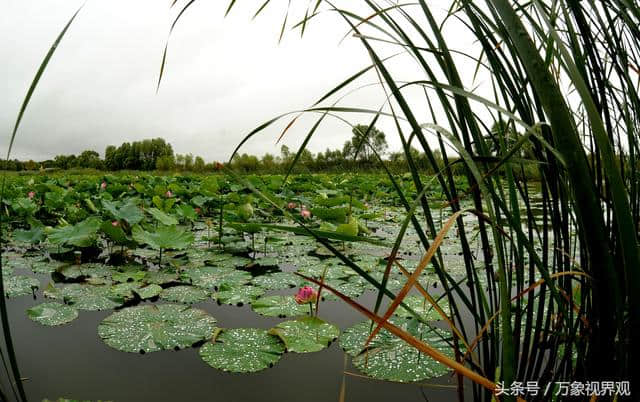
(305, 295)
(291, 205)
(115, 224)
(31, 195)
(103, 185)
(305, 213)
(168, 194)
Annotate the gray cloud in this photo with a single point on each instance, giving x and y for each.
(224, 76)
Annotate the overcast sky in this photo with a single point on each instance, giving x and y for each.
(224, 76)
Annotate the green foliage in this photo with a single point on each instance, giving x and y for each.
(82, 234)
(165, 237)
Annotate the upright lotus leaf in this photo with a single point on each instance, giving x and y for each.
(306, 334)
(245, 211)
(52, 292)
(277, 280)
(335, 215)
(242, 350)
(82, 234)
(421, 306)
(32, 236)
(92, 298)
(149, 291)
(350, 228)
(20, 285)
(209, 186)
(128, 212)
(165, 237)
(150, 328)
(237, 295)
(162, 217)
(52, 314)
(390, 358)
(115, 233)
(187, 212)
(279, 306)
(184, 294)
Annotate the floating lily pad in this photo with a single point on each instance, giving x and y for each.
(421, 306)
(92, 298)
(351, 289)
(213, 277)
(237, 295)
(52, 314)
(306, 334)
(126, 289)
(279, 306)
(160, 277)
(149, 291)
(88, 270)
(266, 261)
(129, 276)
(232, 262)
(242, 350)
(20, 285)
(45, 267)
(184, 294)
(390, 358)
(277, 280)
(150, 328)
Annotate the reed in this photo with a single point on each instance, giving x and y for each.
(563, 79)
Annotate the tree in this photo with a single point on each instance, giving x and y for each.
(361, 150)
(199, 165)
(188, 162)
(165, 163)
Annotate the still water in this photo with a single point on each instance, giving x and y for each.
(71, 361)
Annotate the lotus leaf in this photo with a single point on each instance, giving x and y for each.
(128, 212)
(184, 294)
(279, 306)
(92, 298)
(277, 280)
(164, 237)
(19, 285)
(242, 350)
(52, 314)
(150, 328)
(237, 295)
(306, 334)
(149, 291)
(82, 234)
(390, 358)
(162, 217)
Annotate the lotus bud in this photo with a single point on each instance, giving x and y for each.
(306, 294)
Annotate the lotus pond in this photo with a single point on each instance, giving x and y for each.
(142, 287)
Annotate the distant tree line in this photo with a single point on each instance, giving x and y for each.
(361, 153)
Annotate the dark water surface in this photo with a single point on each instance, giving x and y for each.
(71, 361)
